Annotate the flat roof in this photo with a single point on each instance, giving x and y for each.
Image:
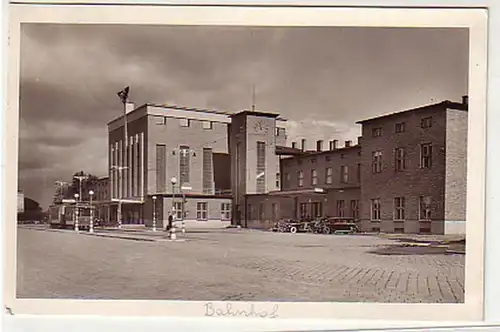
(445, 104)
(201, 110)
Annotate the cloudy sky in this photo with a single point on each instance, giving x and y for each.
(321, 79)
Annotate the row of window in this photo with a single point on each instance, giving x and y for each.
(344, 175)
(202, 211)
(183, 122)
(400, 127)
(399, 209)
(400, 157)
(401, 230)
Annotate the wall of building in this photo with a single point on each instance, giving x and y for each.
(410, 183)
(260, 210)
(170, 132)
(456, 171)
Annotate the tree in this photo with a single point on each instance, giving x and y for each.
(88, 183)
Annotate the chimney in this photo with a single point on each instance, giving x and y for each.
(303, 146)
(348, 144)
(465, 100)
(129, 107)
(294, 145)
(333, 145)
(319, 145)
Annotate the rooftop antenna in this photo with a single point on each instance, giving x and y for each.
(253, 97)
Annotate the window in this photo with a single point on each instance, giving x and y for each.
(354, 209)
(377, 161)
(277, 180)
(314, 177)
(275, 211)
(399, 159)
(399, 230)
(376, 132)
(184, 122)
(207, 175)
(317, 209)
(375, 210)
(340, 208)
(425, 208)
(208, 125)
(344, 174)
(358, 172)
(313, 161)
(426, 155)
(225, 211)
(303, 210)
(201, 211)
(261, 167)
(184, 161)
(261, 212)
(399, 127)
(328, 158)
(161, 168)
(300, 178)
(399, 208)
(426, 122)
(328, 175)
(160, 120)
(178, 209)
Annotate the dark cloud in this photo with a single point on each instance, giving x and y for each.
(322, 77)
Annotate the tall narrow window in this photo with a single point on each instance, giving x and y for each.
(426, 122)
(178, 210)
(201, 211)
(275, 211)
(377, 162)
(207, 171)
(277, 180)
(161, 168)
(184, 161)
(344, 174)
(425, 208)
(426, 155)
(317, 209)
(328, 175)
(399, 159)
(261, 167)
(399, 127)
(303, 210)
(358, 172)
(375, 210)
(399, 208)
(300, 178)
(376, 132)
(354, 209)
(340, 208)
(314, 177)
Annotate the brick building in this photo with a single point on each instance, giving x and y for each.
(406, 173)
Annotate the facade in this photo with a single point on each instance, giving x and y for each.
(177, 161)
(406, 173)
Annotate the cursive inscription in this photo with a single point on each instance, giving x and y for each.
(228, 310)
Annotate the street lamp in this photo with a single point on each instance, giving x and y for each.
(77, 212)
(80, 178)
(123, 95)
(91, 227)
(173, 236)
(154, 213)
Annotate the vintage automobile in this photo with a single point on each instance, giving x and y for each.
(340, 225)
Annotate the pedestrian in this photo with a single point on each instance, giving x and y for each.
(170, 221)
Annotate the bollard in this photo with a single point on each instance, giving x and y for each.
(173, 236)
(76, 221)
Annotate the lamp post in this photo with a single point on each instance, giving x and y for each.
(77, 212)
(173, 236)
(154, 213)
(91, 227)
(80, 178)
(123, 95)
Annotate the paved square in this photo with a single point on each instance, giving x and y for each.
(231, 264)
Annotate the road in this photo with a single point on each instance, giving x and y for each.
(231, 264)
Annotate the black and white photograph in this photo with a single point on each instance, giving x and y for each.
(238, 163)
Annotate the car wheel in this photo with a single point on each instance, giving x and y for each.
(293, 229)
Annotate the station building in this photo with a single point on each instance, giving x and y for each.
(406, 172)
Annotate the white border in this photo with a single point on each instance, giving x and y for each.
(474, 19)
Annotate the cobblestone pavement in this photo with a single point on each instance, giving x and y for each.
(231, 264)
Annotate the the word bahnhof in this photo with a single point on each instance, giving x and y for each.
(406, 173)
